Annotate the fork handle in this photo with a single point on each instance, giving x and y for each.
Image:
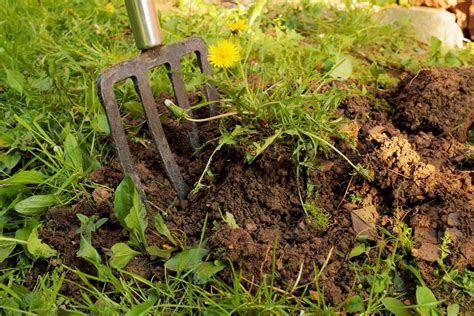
(145, 24)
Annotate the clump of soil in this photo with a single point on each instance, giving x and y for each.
(437, 100)
(415, 173)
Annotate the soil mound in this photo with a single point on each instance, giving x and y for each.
(438, 100)
(419, 178)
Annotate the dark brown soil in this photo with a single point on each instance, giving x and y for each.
(422, 174)
(422, 100)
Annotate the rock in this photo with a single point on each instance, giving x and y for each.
(442, 4)
(426, 22)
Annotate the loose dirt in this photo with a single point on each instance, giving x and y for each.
(421, 173)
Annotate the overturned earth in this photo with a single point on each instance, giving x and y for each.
(420, 174)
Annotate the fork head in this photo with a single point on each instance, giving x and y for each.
(137, 69)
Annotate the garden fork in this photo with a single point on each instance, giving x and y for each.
(148, 38)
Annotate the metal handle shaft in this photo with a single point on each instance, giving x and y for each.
(145, 24)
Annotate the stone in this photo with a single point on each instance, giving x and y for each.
(426, 22)
(442, 4)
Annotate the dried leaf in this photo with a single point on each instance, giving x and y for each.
(363, 221)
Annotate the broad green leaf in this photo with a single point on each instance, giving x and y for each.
(134, 107)
(25, 177)
(186, 260)
(10, 160)
(6, 248)
(23, 233)
(87, 251)
(142, 309)
(136, 220)
(100, 124)
(425, 300)
(12, 191)
(206, 270)
(35, 205)
(395, 306)
(398, 283)
(158, 252)
(356, 304)
(123, 200)
(161, 228)
(121, 255)
(452, 310)
(73, 153)
(37, 248)
(6, 140)
(15, 80)
(342, 69)
(357, 251)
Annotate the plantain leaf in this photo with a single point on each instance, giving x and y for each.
(452, 310)
(186, 260)
(426, 301)
(395, 306)
(25, 177)
(161, 227)
(136, 220)
(37, 248)
(355, 304)
(6, 248)
(35, 205)
(123, 200)
(73, 153)
(206, 270)
(121, 255)
(15, 80)
(357, 251)
(87, 251)
(158, 252)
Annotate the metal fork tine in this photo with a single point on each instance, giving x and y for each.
(108, 100)
(158, 135)
(179, 89)
(206, 68)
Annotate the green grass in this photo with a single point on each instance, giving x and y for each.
(53, 132)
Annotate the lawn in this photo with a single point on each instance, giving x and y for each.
(333, 174)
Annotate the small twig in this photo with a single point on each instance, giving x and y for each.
(345, 193)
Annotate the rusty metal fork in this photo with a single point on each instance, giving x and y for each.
(147, 33)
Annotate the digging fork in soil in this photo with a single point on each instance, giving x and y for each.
(148, 38)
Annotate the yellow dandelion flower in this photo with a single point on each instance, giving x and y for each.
(224, 55)
(109, 8)
(236, 26)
